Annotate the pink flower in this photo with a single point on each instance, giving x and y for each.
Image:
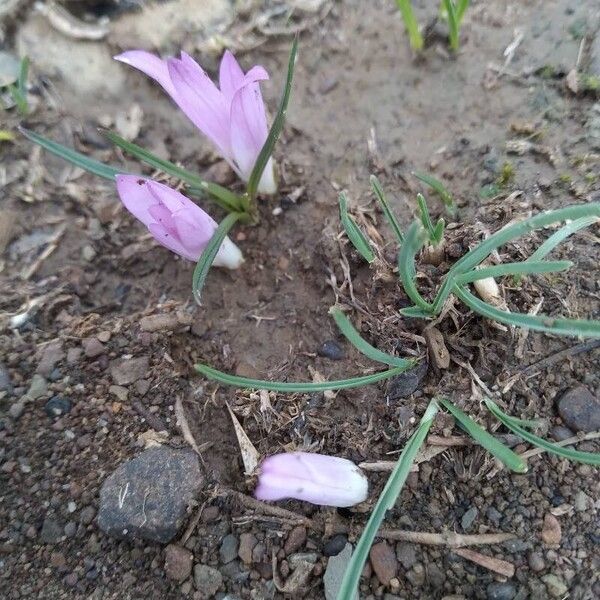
(316, 478)
(232, 117)
(174, 220)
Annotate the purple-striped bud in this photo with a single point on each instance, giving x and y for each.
(315, 478)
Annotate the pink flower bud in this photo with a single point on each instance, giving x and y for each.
(315, 478)
(174, 220)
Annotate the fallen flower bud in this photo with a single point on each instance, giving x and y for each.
(315, 478)
(232, 115)
(174, 220)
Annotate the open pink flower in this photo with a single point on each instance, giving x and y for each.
(231, 116)
(316, 478)
(174, 220)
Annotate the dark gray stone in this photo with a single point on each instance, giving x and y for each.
(500, 591)
(333, 546)
(207, 580)
(147, 496)
(407, 383)
(57, 406)
(52, 531)
(334, 573)
(5, 381)
(331, 349)
(406, 554)
(580, 409)
(125, 371)
(468, 518)
(229, 548)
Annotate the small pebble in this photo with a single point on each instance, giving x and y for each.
(57, 406)
(500, 591)
(229, 548)
(332, 350)
(333, 546)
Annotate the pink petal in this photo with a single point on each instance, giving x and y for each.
(248, 127)
(162, 215)
(168, 240)
(320, 479)
(201, 101)
(194, 239)
(136, 197)
(231, 76)
(151, 65)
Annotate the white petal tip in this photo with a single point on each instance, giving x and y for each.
(229, 256)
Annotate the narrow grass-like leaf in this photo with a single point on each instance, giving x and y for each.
(208, 254)
(355, 235)
(452, 23)
(461, 9)
(590, 458)
(415, 312)
(413, 242)
(284, 386)
(387, 210)
(527, 267)
(506, 234)
(352, 335)
(386, 501)
(556, 325)
(437, 186)
(411, 24)
(19, 91)
(559, 236)
(276, 128)
(72, 156)
(435, 233)
(510, 459)
(223, 196)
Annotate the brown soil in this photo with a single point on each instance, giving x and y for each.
(361, 104)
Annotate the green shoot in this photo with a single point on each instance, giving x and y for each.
(411, 24)
(510, 459)
(386, 501)
(437, 186)
(355, 235)
(590, 458)
(415, 237)
(362, 345)
(435, 233)
(19, 92)
(454, 11)
(276, 128)
(513, 269)
(79, 160)
(300, 387)
(387, 210)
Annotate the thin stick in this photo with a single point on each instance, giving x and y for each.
(593, 435)
(559, 356)
(447, 538)
(496, 565)
(269, 509)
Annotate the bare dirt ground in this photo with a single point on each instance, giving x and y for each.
(507, 140)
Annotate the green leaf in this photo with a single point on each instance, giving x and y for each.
(559, 236)
(283, 386)
(355, 235)
(363, 346)
(72, 156)
(590, 458)
(461, 9)
(439, 188)
(413, 242)
(386, 501)
(411, 24)
(387, 210)
(276, 128)
(558, 326)
(527, 267)
(208, 254)
(435, 233)
(452, 24)
(510, 459)
(415, 312)
(228, 200)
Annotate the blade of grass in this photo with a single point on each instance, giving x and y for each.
(415, 312)
(439, 188)
(415, 236)
(276, 128)
(559, 236)
(387, 211)
(223, 196)
(461, 9)
(386, 501)
(514, 268)
(411, 24)
(352, 335)
(558, 326)
(452, 24)
(355, 235)
(72, 156)
(284, 386)
(208, 254)
(590, 458)
(510, 459)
